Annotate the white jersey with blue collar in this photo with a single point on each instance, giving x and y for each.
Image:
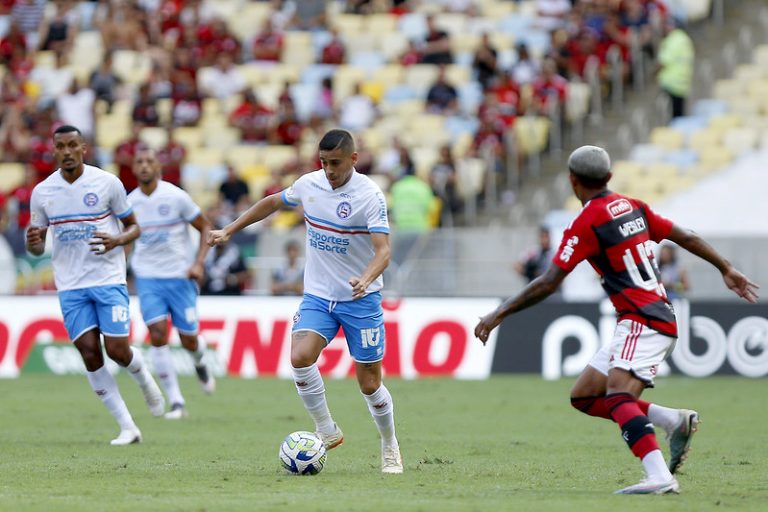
(339, 224)
(74, 211)
(165, 248)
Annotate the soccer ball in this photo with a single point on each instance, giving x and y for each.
(302, 453)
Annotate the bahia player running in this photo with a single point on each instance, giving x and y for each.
(615, 234)
(347, 250)
(81, 205)
(167, 267)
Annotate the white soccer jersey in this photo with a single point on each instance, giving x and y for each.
(165, 248)
(339, 223)
(94, 202)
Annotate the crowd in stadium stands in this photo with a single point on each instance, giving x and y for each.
(183, 76)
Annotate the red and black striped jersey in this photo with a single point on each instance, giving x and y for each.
(615, 234)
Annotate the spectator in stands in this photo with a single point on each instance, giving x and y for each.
(675, 66)
(252, 118)
(673, 275)
(442, 97)
(20, 199)
(634, 15)
(233, 190)
(28, 15)
(444, 183)
(225, 271)
(288, 129)
(504, 102)
(52, 82)
(548, 87)
(13, 39)
(324, 103)
(357, 111)
(412, 55)
(187, 104)
(485, 62)
(15, 135)
(365, 157)
(268, 44)
(77, 106)
(216, 39)
(289, 278)
(40, 155)
(224, 79)
(334, 52)
(526, 69)
(59, 32)
(124, 26)
(145, 107)
(437, 45)
(105, 82)
(123, 157)
(310, 14)
(172, 157)
(552, 14)
(412, 206)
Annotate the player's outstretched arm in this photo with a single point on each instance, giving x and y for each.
(203, 225)
(740, 284)
(536, 291)
(376, 266)
(259, 211)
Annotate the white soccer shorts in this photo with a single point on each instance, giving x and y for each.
(636, 348)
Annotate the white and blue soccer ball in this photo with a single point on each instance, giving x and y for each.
(302, 453)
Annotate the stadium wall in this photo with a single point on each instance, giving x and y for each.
(250, 337)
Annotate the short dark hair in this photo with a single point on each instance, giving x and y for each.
(592, 183)
(337, 139)
(67, 128)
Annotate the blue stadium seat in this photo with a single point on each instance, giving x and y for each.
(315, 73)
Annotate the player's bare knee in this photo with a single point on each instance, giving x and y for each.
(189, 342)
(119, 353)
(158, 334)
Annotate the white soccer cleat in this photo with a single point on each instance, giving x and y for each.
(333, 440)
(127, 436)
(680, 438)
(206, 378)
(649, 486)
(391, 461)
(177, 412)
(154, 398)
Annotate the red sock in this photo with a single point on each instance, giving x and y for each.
(636, 428)
(593, 406)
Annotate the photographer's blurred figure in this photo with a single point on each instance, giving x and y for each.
(535, 261)
(673, 276)
(289, 278)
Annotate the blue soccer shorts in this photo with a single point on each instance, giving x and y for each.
(160, 297)
(105, 307)
(362, 321)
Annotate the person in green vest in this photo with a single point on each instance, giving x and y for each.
(414, 210)
(676, 59)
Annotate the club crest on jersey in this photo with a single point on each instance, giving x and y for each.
(90, 199)
(619, 207)
(296, 317)
(344, 210)
(164, 209)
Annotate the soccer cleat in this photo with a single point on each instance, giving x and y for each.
(206, 378)
(680, 438)
(649, 486)
(177, 412)
(391, 461)
(127, 436)
(154, 398)
(333, 440)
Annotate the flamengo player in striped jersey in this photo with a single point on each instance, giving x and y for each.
(347, 250)
(166, 267)
(81, 205)
(615, 234)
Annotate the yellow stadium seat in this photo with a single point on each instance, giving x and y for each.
(88, 50)
(380, 23)
(45, 59)
(221, 137)
(424, 158)
(155, 138)
(165, 110)
(667, 138)
(111, 131)
(451, 22)
(205, 157)
(244, 156)
(421, 76)
(458, 75)
(275, 157)
(724, 122)
(11, 176)
(348, 23)
(714, 158)
(470, 174)
(374, 90)
(253, 74)
(531, 134)
(741, 140)
(249, 19)
(389, 75)
(391, 45)
(747, 72)
(132, 67)
(190, 137)
(253, 172)
(760, 56)
(744, 105)
(344, 81)
(577, 101)
(465, 42)
(256, 186)
(706, 138)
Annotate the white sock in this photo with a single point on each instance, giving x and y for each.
(655, 466)
(383, 412)
(311, 389)
(138, 370)
(166, 372)
(104, 385)
(198, 354)
(663, 417)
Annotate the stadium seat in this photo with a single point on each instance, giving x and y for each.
(577, 101)
(248, 18)
(190, 137)
(344, 81)
(453, 23)
(413, 26)
(380, 23)
(667, 138)
(740, 140)
(132, 67)
(420, 77)
(708, 108)
(646, 154)
(153, 137)
(391, 45)
(531, 134)
(11, 176)
(745, 73)
(111, 131)
(726, 89)
(724, 122)
(760, 56)
(713, 158)
(389, 75)
(348, 23)
(706, 138)
(424, 158)
(275, 156)
(220, 137)
(470, 176)
(241, 156)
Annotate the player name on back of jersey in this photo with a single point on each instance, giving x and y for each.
(632, 227)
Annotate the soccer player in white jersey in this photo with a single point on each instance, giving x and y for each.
(347, 249)
(83, 207)
(167, 267)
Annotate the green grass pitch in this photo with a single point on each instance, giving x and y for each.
(508, 443)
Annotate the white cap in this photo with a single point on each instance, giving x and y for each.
(590, 162)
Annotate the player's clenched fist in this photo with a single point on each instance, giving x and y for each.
(35, 236)
(217, 237)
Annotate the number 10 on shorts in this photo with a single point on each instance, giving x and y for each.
(369, 337)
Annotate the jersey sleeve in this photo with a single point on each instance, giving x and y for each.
(659, 226)
(118, 201)
(38, 217)
(291, 196)
(376, 213)
(579, 243)
(187, 207)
